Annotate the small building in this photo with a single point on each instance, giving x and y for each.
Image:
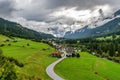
(54, 54)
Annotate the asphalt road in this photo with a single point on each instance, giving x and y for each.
(50, 69)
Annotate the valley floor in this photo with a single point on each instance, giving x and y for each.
(88, 67)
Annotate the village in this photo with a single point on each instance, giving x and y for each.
(59, 52)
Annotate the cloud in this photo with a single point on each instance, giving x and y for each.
(43, 14)
(81, 4)
(6, 8)
(41, 9)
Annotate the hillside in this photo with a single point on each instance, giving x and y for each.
(24, 59)
(9, 28)
(109, 25)
(88, 67)
(117, 13)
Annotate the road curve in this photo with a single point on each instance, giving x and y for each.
(50, 70)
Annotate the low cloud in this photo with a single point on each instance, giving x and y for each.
(58, 15)
(6, 8)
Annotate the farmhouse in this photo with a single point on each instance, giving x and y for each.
(54, 54)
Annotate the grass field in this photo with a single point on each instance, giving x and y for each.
(108, 37)
(35, 56)
(88, 67)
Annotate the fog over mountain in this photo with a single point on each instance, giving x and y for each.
(57, 16)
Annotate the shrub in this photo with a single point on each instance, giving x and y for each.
(109, 58)
(28, 44)
(7, 40)
(9, 44)
(2, 45)
(23, 46)
(78, 55)
(16, 62)
(98, 55)
(73, 54)
(1, 52)
(68, 55)
(116, 59)
(43, 49)
(15, 41)
(96, 72)
(59, 56)
(9, 72)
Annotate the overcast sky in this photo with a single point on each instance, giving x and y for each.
(41, 15)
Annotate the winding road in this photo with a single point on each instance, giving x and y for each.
(50, 69)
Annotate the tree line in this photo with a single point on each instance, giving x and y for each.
(109, 48)
(12, 29)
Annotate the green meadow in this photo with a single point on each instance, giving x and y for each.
(108, 37)
(88, 67)
(34, 55)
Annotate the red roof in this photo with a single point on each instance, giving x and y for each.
(55, 52)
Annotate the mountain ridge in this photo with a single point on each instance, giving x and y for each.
(111, 26)
(14, 29)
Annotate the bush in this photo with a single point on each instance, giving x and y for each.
(43, 49)
(16, 62)
(73, 54)
(15, 41)
(9, 72)
(98, 55)
(2, 45)
(7, 40)
(59, 56)
(9, 44)
(78, 55)
(28, 44)
(109, 58)
(23, 46)
(105, 55)
(68, 55)
(116, 59)
(1, 52)
(95, 72)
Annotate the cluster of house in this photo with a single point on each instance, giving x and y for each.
(58, 53)
(69, 51)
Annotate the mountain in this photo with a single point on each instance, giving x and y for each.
(9, 28)
(117, 13)
(80, 33)
(109, 25)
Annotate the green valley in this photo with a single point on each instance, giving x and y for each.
(88, 67)
(34, 56)
(59, 40)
